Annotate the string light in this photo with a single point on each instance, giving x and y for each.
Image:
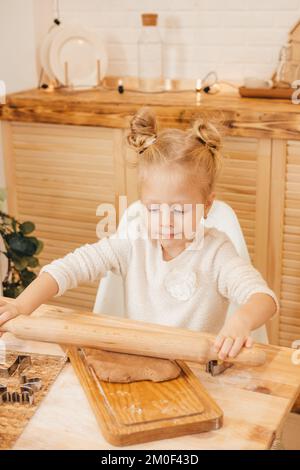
(56, 12)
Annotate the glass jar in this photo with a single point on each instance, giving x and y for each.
(171, 57)
(150, 55)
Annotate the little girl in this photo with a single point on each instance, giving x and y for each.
(172, 276)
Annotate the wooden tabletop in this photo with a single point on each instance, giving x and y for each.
(255, 402)
(276, 118)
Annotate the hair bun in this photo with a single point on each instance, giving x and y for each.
(143, 130)
(208, 134)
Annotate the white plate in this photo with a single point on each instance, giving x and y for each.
(44, 50)
(81, 49)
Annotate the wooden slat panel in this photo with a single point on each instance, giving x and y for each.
(289, 324)
(290, 321)
(291, 280)
(233, 145)
(245, 184)
(288, 338)
(61, 174)
(288, 331)
(45, 156)
(57, 179)
(67, 190)
(239, 183)
(64, 237)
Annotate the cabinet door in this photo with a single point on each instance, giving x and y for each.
(244, 184)
(286, 248)
(57, 176)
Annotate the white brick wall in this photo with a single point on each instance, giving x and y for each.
(17, 53)
(237, 38)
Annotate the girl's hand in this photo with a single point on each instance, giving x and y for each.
(233, 336)
(8, 310)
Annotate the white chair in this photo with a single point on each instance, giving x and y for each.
(110, 295)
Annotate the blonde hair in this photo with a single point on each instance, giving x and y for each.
(197, 150)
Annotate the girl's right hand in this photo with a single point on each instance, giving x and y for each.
(8, 310)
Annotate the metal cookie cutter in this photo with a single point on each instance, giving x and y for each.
(214, 367)
(19, 365)
(26, 396)
(28, 388)
(33, 384)
(4, 394)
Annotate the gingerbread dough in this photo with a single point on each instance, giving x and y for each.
(126, 368)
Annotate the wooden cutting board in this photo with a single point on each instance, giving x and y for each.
(146, 411)
(15, 416)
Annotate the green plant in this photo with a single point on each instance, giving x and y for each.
(21, 252)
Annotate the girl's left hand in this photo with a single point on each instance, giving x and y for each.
(233, 336)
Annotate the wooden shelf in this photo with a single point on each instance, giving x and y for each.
(248, 117)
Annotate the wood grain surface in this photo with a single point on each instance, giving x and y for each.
(250, 117)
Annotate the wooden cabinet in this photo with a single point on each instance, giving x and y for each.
(261, 182)
(244, 184)
(288, 249)
(57, 175)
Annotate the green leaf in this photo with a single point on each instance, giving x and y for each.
(39, 247)
(20, 263)
(21, 245)
(27, 227)
(38, 244)
(9, 292)
(20, 250)
(12, 290)
(18, 290)
(27, 277)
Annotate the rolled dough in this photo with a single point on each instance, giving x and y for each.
(125, 368)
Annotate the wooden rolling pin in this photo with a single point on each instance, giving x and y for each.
(53, 325)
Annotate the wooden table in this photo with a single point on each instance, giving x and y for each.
(255, 401)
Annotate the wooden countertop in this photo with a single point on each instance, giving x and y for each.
(255, 401)
(249, 117)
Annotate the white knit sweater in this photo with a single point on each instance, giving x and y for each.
(191, 291)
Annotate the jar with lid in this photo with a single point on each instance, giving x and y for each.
(150, 55)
